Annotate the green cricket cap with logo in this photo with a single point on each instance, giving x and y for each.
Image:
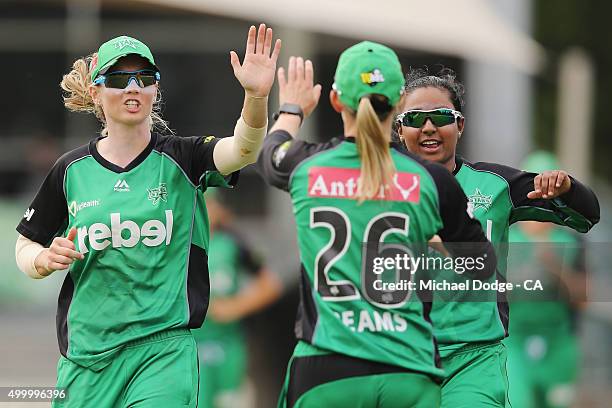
(368, 68)
(110, 52)
(540, 161)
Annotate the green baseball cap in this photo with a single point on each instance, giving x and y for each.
(540, 161)
(118, 47)
(368, 68)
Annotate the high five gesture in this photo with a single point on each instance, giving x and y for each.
(256, 73)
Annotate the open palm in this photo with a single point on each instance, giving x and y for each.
(256, 73)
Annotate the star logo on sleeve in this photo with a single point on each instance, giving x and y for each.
(480, 200)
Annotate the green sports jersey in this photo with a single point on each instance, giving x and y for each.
(143, 230)
(536, 312)
(341, 311)
(498, 198)
(230, 261)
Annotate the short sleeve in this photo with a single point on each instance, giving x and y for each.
(195, 156)
(47, 215)
(281, 154)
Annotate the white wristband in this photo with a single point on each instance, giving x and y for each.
(26, 252)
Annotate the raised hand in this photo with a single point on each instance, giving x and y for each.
(297, 86)
(550, 184)
(256, 73)
(59, 255)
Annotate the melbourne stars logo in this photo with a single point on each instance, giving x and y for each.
(123, 42)
(479, 200)
(158, 193)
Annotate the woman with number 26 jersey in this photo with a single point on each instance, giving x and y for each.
(357, 199)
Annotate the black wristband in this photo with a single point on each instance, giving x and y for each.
(290, 108)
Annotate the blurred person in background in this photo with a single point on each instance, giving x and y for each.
(240, 285)
(543, 347)
(470, 333)
(126, 215)
(361, 345)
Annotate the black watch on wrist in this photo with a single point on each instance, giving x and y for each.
(290, 108)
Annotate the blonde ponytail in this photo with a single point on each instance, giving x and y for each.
(377, 167)
(75, 86)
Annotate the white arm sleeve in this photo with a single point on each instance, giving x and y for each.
(26, 252)
(234, 152)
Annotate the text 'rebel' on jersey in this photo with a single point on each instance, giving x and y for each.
(143, 230)
(340, 309)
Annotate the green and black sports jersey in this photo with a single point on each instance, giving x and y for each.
(341, 311)
(143, 230)
(498, 198)
(230, 263)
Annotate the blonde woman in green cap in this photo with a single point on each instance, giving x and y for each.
(365, 339)
(125, 215)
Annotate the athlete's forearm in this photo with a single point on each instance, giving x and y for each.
(235, 152)
(289, 123)
(255, 111)
(578, 208)
(26, 252)
(583, 200)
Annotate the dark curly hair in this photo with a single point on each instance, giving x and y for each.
(445, 79)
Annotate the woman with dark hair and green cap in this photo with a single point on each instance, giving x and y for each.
(125, 215)
(361, 344)
(470, 332)
(543, 356)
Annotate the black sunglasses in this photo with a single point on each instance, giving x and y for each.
(121, 79)
(439, 117)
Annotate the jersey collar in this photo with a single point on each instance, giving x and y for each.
(458, 164)
(113, 167)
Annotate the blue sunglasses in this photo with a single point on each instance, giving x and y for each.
(121, 79)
